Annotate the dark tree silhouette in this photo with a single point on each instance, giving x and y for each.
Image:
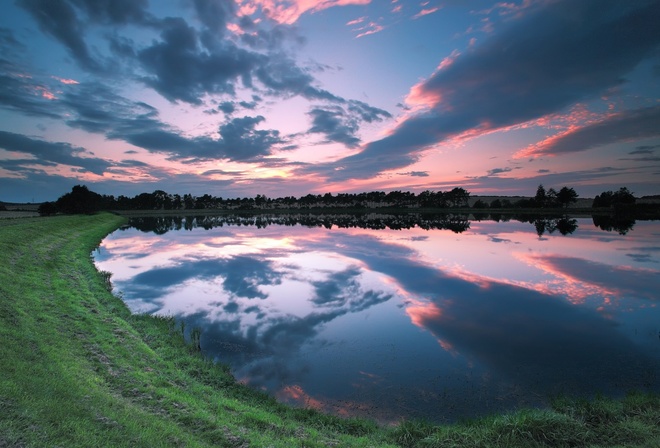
(540, 196)
(80, 200)
(622, 197)
(47, 209)
(566, 196)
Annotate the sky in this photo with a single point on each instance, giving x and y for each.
(236, 98)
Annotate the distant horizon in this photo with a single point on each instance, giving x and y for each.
(243, 97)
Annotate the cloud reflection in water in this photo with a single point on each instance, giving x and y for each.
(408, 323)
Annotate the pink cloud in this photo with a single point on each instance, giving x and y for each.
(372, 28)
(357, 21)
(65, 81)
(44, 92)
(425, 12)
(612, 128)
(289, 11)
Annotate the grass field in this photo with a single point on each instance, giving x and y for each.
(78, 370)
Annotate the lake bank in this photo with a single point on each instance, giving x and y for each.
(79, 370)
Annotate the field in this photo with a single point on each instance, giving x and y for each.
(78, 370)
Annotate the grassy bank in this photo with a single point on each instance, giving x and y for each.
(78, 370)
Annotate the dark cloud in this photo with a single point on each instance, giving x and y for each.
(644, 149)
(571, 52)
(24, 94)
(622, 127)
(364, 112)
(340, 124)
(214, 14)
(115, 12)
(179, 70)
(283, 77)
(244, 275)
(58, 18)
(227, 107)
(97, 109)
(415, 174)
(642, 159)
(248, 105)
(496, 171)
(68, 20)
(337, 289)
(51, 153)
(241, 277)
(333, 123)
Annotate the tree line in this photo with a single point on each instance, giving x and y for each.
(83, 200)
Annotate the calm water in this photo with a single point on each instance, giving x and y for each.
(417, 322)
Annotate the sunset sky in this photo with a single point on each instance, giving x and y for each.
(288, 97)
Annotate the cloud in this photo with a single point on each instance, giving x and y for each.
(571, 51)
(51, 153)
(622, 127)
(644, 149)
(114, 12)
(337, 289)
(496, 171)
(283, 77)
(507, 326)
(228, 107)
(239, 140)
(369, 29)
(415, 173)
(214, 15)
(97, 109)
(241, 277)
(332, 122)
(21, 93)
(426, 12)
(59, 19)
(289, 11)
(67, 21)
(179, 70)
(621, 280)
(244, 275)
(340, 124)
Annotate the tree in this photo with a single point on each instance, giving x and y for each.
(551, 198)
(188, 201)
(80, 200)
(622, 197)
(540, 197)
(47, 209)
(458, 197)
(566, 196)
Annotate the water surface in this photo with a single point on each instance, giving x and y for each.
(447, 321)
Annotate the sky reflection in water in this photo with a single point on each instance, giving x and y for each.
(409, 323)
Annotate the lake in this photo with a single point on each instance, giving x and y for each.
(405, 317)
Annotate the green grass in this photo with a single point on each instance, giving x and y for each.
(78, 370)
